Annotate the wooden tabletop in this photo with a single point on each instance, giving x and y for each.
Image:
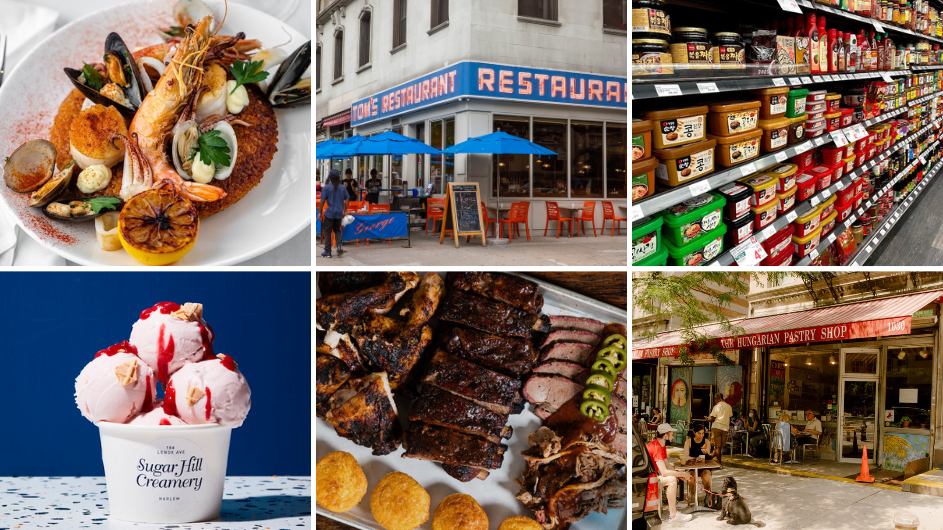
(710, 464)
(608, 287)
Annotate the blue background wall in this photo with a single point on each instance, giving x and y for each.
(51, 325)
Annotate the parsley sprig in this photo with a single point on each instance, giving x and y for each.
(214, 149)
(247, 72)
(92, 78)
(98, 204)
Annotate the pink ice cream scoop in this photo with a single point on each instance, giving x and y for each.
(168, 336)
(116, 386)
(209, 392)
(156, 417)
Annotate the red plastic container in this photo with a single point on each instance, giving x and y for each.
(784, 259)
(823, 175)
(861, 144)
(844, 211)
(832, 155)
(740, 230)
(764, 214)
(845, 196)
(849, 150)
(837, 170)
(870, 152)
(779, 242)
(806, 183)
(849, 163)
(806, 224)
(738, 200)
(846, 117)
(858, 185)
(859, 198)
(860, 157)
(804, 160)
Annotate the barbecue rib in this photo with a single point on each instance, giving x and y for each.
(428, 442)
(511, 290)
(438, 407)
(340, 312)
(363, 411)
(491, 316)
(344, 282)
(465, 473)
(510, 356)
(331, 374)
(496, 392)
(425, 300)
(391, 346)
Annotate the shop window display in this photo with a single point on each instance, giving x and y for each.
(909, 387)
(586, 159)
(550, 172)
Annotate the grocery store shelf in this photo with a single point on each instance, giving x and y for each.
(809, 5)
(726, 259)
(927, 68)
(895, 215)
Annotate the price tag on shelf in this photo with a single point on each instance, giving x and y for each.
(831, 238)
(791, 216)
(860, 76)
(794, 81)
(747, 169)
(707, 88)
(779, 81)
(813, 254)
(636, 213)
(877, 26)
(748, 253)
(768, 232)
(883, 231)
(667, 90)
(780, 156)
(789, 5)
(807, 80)
(868, 204)
(847, 223)
(923, 160)
(700, 188)
(814, 201)
(803, 147)
(820, 140)
(840, 185)
(839, 138)
(868, 249)
(827, 78)
(826, 193)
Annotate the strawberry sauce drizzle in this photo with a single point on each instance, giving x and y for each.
(165, 354)
(122, 347)
(148, 397)
(209, 402)
(170, 400)
(207, 337)
(161, 307)
(165, 421)
(228, 362)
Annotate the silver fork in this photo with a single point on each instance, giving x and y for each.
(3, 55)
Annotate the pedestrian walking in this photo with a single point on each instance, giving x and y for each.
(336, 197)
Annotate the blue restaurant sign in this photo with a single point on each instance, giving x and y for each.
(493, 81)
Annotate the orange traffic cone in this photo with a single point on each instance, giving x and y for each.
(865, 475)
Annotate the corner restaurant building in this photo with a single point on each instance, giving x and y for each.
(869, 370)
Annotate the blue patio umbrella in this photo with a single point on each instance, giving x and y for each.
(326, 151)
(321, 148)
(388, 143)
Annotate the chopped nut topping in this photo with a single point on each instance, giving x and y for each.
(190, 311)
(127, 372)
(194, 394)
(222, 356)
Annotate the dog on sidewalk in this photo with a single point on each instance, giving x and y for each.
(734, 508)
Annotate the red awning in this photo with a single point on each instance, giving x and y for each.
(337, 119)
(876, 318)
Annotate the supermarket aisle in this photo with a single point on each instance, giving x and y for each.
(917, 239)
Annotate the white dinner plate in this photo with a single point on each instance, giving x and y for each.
(270, 214)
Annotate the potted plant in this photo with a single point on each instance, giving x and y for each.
(905, 422)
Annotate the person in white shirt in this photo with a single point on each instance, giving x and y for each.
(812, 431)
(720, 416)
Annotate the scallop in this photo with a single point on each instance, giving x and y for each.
(90, 137)
(213, 99)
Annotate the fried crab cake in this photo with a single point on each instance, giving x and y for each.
(520, 523)
(459, 512)
(341, 483)
(399, 503)
(90, 137)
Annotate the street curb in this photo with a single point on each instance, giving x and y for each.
(796, 473)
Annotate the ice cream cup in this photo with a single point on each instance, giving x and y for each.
(165, 474)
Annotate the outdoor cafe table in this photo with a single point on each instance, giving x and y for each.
(692, 466)
(572, 208)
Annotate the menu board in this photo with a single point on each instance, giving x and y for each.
(463, 210)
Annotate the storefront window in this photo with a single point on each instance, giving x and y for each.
(616, 157)
(435, 161)
(449, 169)
(550, 179)
(587, 157)
(443, 135)
(423, 180)
(861, 362)
(909, 387)
(514, 169)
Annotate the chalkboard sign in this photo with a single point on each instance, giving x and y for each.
(462, 210)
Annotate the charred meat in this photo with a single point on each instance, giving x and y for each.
(331, 374)
(344, 282)
(363, 411)
(392, 346)
(437, 407)
(497, 393)
(340, 312)
(490, 316)
(425, 300)
(573, 352)
(507, 355)
(439, 444)
(465, 473)
(511, 290)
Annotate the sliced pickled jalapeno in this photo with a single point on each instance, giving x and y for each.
(617, 340)
(601, 379)
(604, 365)
(616, 356)
(597, 393)
(596, 410)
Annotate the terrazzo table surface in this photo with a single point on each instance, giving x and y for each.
(82, 502)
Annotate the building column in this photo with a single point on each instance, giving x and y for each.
(936, 397)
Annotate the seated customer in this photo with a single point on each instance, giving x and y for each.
(666, 472)
(757, 436)
(783, 427)
(656, 416)
(812, 431)
(698, 446)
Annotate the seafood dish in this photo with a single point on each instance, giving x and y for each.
(152, 139)
(471, 379)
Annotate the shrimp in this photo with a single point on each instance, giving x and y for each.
(225, 48)
(146, 163)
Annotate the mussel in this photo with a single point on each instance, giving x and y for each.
(30, 166)
(54, 187)
(288, 88)
(75, 211)
(121, 84)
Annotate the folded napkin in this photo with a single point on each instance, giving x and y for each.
(25, 25)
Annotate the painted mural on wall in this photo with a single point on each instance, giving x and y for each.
(730, 384)
(902, 448)
(680, 394)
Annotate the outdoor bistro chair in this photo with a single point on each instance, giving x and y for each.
(553, 214)
(354, 206)
(609, 214)
(588, 216)
(810, 447)
(434, 210)
(517, 215)
(485, 221)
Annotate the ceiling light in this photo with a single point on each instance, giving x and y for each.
(831, 359)
(923, 354)
(809, 359)
(901, 355)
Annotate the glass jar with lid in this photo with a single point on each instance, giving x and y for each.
(690, 46)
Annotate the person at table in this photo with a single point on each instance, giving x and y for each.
(373, 188)
(757, 436)
(697, 446)
(336, 198)
(737, 427)
(667, 473)
(352, 186)
(656, 416)
(720, 416)
(787, 437)
(809, 435)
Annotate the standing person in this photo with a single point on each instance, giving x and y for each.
(336, 198)
(666, 472)
(373, 188)
(720, 416)
(351, 185)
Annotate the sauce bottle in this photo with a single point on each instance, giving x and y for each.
(823, 46)
(851, 52)
(832, 51)
(881, 60)
(812, 33)
(864, 55)
(840, 43)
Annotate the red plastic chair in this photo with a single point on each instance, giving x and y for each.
(435, 208)
(553, 214)
(517, 216)
(486, 221)
(589, 216)
(379, 208)
(354, 206)
(609, 213)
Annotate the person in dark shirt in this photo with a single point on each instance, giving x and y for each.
(336, 198)
(351, 185)
(373, 188)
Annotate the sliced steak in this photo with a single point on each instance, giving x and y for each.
(571, 335)
(573, 371)
(573, 352)
(584, 324)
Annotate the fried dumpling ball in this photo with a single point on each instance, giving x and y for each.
(90, 137)
(341, 483)
(398, 502)
(459, 512)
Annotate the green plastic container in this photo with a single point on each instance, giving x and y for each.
(646, 238)
(795, 104)
(699, 251)
(658, 259)
(693, 218)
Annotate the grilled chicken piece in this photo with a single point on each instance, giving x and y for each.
(465, 473)
(491, 390)
(331, 374)
(512, 290)
(392, 346)
(340, 312)
(507, 355)
(343, 347)
(425, 300)
(439, 444)
(491, 316)
(344, 282)
(438, 407)
(583, 324)
(363, 411)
